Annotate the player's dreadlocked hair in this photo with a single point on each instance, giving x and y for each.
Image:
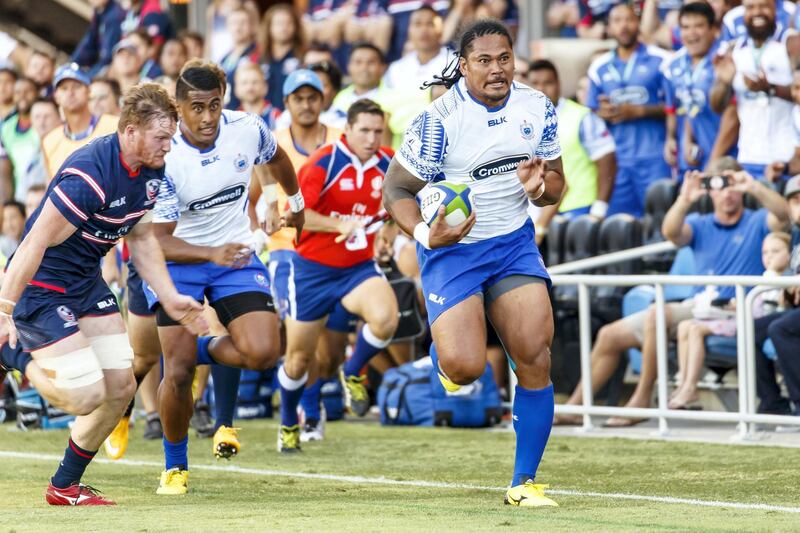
(452, 73)
(199, 75)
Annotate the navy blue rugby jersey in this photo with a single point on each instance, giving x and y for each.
(98, 194)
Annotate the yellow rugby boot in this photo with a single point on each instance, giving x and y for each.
(116, 443)
(356, 397)
(173, 481)
(289, 439)
(529, 494)
(448, 385)
(226, 443)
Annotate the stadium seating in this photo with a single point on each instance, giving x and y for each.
(556, 237)
(659, 198)
(618, 232)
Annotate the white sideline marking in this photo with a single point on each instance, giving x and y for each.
(421, 483)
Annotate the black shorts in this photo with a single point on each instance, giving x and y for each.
(228, 308)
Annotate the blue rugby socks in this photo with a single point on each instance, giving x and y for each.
(226, 391)
(533, 420)
(203, 355)
(367, 345)
(14, 358)
(72, 466)
(291, 392)
(176, 453)
(310, 400)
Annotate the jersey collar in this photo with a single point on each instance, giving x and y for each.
(373, 161)
(494, 109)
(201, 150)
(131, 173)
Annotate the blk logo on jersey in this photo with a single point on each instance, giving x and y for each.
(206, 162)
(117, 203)
(497, 121)
(435, 298)
(225, 196)
(105, 304)
(503, 165)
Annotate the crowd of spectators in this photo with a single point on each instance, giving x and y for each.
(684, 90)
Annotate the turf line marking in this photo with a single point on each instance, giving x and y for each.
(418, 483)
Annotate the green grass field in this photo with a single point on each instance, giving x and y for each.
(259, 490)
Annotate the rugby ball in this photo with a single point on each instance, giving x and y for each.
(457, 199)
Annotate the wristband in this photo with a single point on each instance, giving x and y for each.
(599, 209)
(539, 193)
(540, 230)
(296, 202)
(270, 193)
(7, 306)
(422, 235)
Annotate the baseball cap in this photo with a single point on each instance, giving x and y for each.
(792, 186)
(300, 78)
(124, 44)
(71, 71)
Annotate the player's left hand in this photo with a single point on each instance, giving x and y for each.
(296, 221)
(187, 311)
(531, 174)
(8, 331)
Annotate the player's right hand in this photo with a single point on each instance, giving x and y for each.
(188, 312)
(443, 234)
(348, 228)
(8, 331)
(233, 254)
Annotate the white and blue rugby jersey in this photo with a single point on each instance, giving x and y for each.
(461, 140)
(205, 191)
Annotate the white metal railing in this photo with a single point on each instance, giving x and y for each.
(612, 258)
(745, 348)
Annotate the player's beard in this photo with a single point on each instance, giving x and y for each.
(761, 32)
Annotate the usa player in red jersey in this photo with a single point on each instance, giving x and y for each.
(64, 313)
(341, 184)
